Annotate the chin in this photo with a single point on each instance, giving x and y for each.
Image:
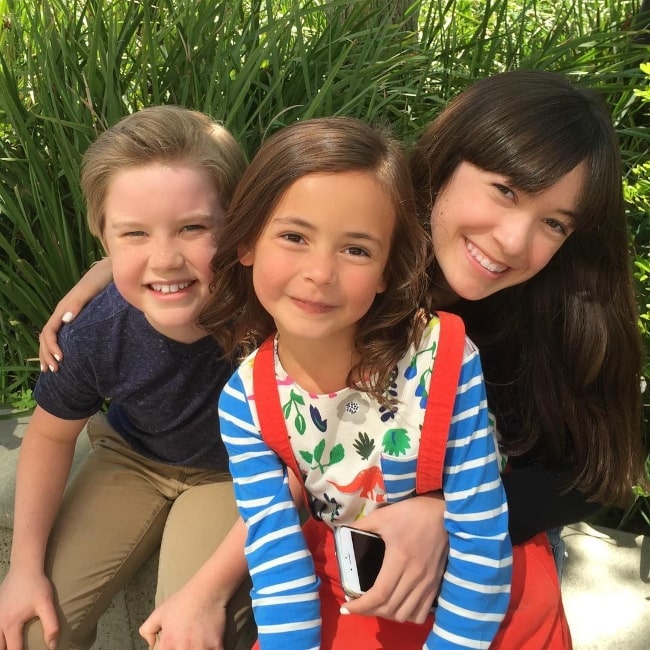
(474, 294)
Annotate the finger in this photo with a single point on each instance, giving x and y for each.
(49, 623)
(14, 638)
(396, 593)
(46, 354)
(149, 632)
(370, 603)
(370, 523)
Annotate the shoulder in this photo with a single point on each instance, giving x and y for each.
(100, 313)
(239, 388)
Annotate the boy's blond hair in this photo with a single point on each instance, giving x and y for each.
(160, 134)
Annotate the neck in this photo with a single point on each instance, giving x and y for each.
(442, 294)
(320, 369)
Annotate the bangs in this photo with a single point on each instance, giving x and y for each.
(534, 151)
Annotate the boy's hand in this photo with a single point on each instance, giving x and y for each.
(187, 620)
(23, 598)
(417, 546)
(98, 277)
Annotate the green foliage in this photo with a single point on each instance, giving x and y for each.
(636, 186)
(69, 68)
(637, 193)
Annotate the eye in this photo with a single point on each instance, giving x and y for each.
(505, 190)
(192, 227)
(135, 233)
(292, 237)
(559, 227)
(357, 251)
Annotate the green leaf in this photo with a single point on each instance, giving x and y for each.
(337, 454)
(286, 409)
(364, 445)
(318, 451)
(307, 456)
(299, 422)
(396, 442)
(297, 398)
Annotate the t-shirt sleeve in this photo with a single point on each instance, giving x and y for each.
(475, 590)
(285, 587)
(71, 393)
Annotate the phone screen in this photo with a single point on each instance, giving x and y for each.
(369, 553)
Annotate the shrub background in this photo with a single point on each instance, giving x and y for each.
(70, 68)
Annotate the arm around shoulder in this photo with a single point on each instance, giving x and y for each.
(97, 278)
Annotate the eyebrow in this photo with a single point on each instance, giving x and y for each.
(297, 221)
(568, 213)
(116, 222)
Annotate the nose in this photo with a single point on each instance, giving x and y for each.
(320, 268)
(165, 254)
(513, 234)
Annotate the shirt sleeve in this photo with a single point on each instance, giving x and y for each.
(285, 587)
(72, 392)
(475, 589)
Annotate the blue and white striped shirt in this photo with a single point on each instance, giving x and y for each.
(476, 586)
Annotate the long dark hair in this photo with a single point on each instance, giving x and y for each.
(561, 353)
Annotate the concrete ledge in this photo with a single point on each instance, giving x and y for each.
(606, 588)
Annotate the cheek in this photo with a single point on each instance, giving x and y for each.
(543, 253)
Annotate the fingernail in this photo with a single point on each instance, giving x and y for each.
(67, 317)
(51, 368)
(57, 357)
(345, 611)
(42, 368)
(52, 645)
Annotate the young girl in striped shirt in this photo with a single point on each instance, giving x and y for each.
(321, 255)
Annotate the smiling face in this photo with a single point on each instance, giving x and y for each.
(159, 233)
(487, 235)
(320, 260)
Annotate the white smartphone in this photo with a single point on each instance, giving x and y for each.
(360, 555)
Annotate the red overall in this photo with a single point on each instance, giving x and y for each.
(535, 618)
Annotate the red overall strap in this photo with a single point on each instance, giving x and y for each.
(269, 409)
(440, 403)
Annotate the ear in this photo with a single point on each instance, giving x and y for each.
(245, 255)
(381, 286)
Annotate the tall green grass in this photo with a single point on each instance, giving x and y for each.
(69, 68)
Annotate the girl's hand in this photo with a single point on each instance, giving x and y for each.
(186, 621)
(23, 598)
(95, 279)
(417, 546)
(194, 617)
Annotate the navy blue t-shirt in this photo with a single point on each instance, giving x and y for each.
(163, 393)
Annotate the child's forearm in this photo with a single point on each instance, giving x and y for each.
(39, 492)
(226, 568)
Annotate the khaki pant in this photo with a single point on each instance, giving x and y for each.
(117, 511)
